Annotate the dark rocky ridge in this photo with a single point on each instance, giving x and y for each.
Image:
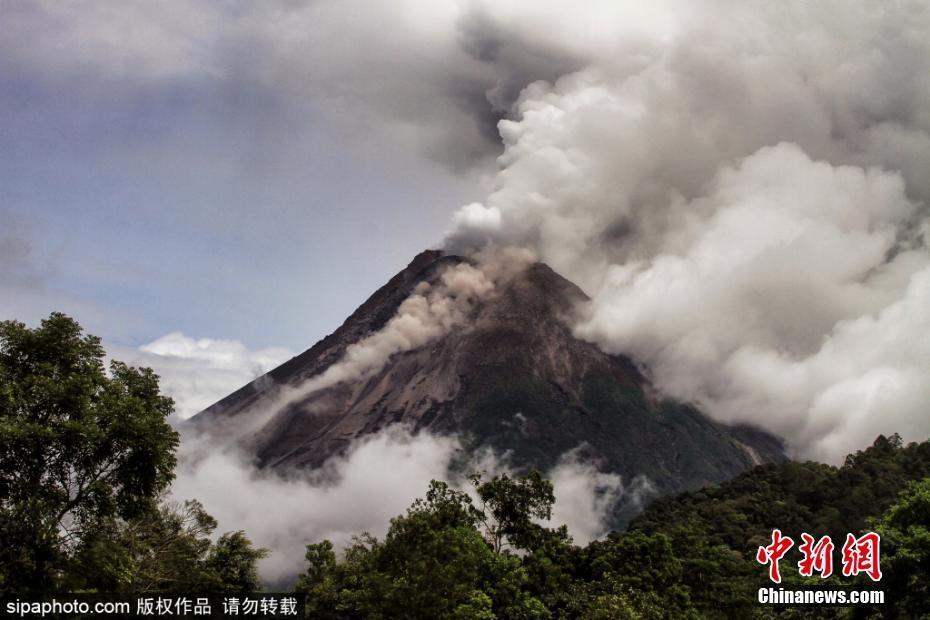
(513, 379)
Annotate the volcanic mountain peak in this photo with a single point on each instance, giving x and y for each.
(511, 377)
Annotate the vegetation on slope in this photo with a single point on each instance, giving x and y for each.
(686, 556)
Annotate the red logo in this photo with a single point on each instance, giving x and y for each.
(773, 553)
(859, 555)
(817, 557)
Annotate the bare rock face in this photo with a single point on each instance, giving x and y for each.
(512, 378)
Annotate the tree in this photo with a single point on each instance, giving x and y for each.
(905, 532)
(509, 506)
(166, 549)
(319, 583)
(446, 506)
(232, 563)
(78, 446)
(161, 550)
(641, 571)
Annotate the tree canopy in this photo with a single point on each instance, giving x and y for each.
(77, 445)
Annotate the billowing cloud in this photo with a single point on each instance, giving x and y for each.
(752, 313)
(198, 372)
(741, 194)
(375, 480)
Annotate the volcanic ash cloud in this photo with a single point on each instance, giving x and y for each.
(742, 195)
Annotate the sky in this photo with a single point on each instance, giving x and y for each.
(148, 188)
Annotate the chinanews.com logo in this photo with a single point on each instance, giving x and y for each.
(859, 556)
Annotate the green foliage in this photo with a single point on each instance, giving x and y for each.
(166, 549)
(618, 602)
(478, 607)
(77, 446)
(714, 532)
(232, 563)
(417, 572)
(509, 507)
(160, 550)
(446, 507)
(552, 568)
(319, 582)
(905, 532)
(642, 564)
(433, 563)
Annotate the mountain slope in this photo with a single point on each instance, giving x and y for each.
(512, 378)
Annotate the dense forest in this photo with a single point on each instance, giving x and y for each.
(86, 457)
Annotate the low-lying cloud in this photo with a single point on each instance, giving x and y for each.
(377, 478)
(584, 497)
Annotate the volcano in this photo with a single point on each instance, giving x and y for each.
(512, 378)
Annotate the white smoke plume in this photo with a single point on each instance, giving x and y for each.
(741, 189)
(430, 311)
(377, 478)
